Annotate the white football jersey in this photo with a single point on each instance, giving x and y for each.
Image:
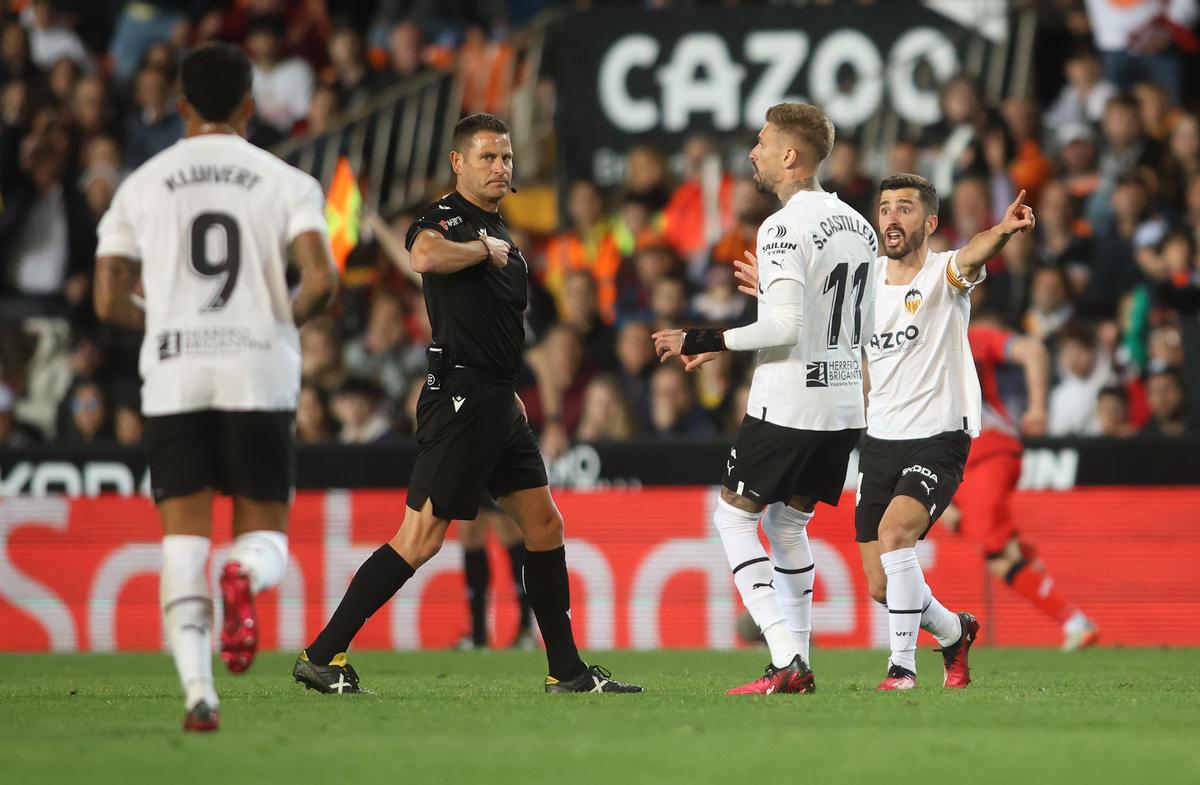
(820, 242)
(923, 379)
(211, 219)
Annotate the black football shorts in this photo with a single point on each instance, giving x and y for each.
(928, 470)
(772, 463)
(250, 454)
(471, 440)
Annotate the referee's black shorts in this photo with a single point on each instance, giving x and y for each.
(471, 438)
(250, 454)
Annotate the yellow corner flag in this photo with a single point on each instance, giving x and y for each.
(342, 206)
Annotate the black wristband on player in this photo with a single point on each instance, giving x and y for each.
(698, 340)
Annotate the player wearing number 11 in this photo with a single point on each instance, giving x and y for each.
(206, 228)
(805, 409)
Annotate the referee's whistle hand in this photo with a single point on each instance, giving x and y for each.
(497, 251)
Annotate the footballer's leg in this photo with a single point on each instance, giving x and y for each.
(786, 527)
(510, 536)
(322, 666)
(548, 588)
(472, 535)
(186, 601)
(255, 563)
(1018, 566)
(736, 521)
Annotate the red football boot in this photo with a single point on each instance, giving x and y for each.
(958, 672)
(202, 718)
(796, 676)
(239, 634)
(898, 679)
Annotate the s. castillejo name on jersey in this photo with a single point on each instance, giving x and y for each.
(844, 223)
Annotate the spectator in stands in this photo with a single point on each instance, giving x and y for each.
(699, 210)
(1167, 400)
(715, 388)
(321, 355)
(1183, 159)
(959, 135)
(650, 264)
(1085, 94)
(1143, 41)
(314, 424)
(563, 372)
(720, 303)
(1006, 290)
(970, 210)
(581, 312)
(143, 23)
(127, 424)
(14, 119)
(381, 354)
(13, 433)
(154, 124)
(88, 414)
(92, 110)
(1083, 371)
(673, 409)
(61, 80)
(669, 303)
(1123, 148)
(352, 76)
(1113, 269)
(1058, 229)
(323, 109)
(646, 177)
(1050, 304)
(606, 416)
(843, 175)
(282, 85)
(404, 52)
(47, 238)
(1077, 156)
(15, 61)
(49, 40)
(588, 245)
(359, 410)
(1165, 348)
(1112, 412)
(636, 362)
(1030, 168)
(750, 208)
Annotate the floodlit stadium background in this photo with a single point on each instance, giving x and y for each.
(631, 122)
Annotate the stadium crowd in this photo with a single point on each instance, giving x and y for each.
(1110, 160)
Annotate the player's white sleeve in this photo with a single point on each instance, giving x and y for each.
(115, 234)
(779, 326)
(307, 209)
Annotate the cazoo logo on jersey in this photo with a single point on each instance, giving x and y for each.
(896, 340)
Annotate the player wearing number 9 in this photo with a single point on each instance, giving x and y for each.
(206, 229)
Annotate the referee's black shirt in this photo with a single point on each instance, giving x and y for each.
(477, 313)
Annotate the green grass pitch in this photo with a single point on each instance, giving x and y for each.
(1032, 716)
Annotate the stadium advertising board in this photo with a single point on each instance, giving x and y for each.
(80, 573)
(626, 77)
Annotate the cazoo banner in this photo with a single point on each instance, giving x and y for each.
(627, 76)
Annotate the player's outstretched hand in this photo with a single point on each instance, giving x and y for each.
(668, 344)
(747, 274)
(693, 361)
(1018, 217)
(498, 251)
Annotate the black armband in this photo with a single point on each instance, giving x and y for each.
(698, 340)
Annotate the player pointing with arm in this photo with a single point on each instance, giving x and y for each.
(805, 409)
(204, 226)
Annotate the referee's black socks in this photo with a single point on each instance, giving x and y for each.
(379, 577)
(549, 593)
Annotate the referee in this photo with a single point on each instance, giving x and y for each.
(472, 435)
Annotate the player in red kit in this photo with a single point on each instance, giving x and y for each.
(982, 507)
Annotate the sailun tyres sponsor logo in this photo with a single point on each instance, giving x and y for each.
(839, 373)
(779, 246)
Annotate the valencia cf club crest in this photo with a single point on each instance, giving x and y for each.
(912, 300)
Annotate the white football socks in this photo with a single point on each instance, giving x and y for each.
(786, 528)
(905, 591)
(941, 623)
(187, 614)
(264, 555)
(754, 578)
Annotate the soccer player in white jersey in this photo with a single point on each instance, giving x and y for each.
(805, 410)
(923, 408)
(205, 229)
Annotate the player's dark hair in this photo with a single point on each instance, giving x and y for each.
(1080, 332)
(216, 79)
(925, 190)
(466, 128)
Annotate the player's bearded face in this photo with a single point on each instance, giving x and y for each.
(902, 224)
(760, 157)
